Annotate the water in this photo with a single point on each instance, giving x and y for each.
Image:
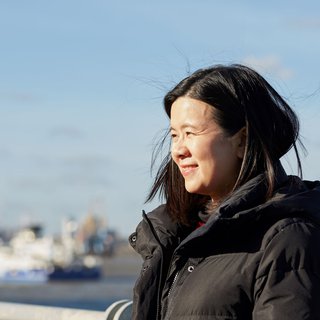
(120, 274)
(91, 295)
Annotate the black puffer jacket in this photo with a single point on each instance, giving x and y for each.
(251, 260)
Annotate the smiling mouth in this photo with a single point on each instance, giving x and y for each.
(187, 170)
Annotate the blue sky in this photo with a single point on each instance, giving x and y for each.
(81, 88)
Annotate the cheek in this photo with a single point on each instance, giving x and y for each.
(221, 160)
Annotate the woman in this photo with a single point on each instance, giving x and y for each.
(237, 238)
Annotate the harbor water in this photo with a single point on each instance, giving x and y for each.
(119, 275)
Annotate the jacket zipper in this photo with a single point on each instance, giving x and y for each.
(172, 288)
(173, 283)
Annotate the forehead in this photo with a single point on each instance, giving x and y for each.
(190, 110)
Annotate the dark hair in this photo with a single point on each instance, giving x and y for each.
(241, 98)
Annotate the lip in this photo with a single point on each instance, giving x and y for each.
(187, 169)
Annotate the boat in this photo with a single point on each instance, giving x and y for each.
(27, 258)
(21, 268)
(74, 273)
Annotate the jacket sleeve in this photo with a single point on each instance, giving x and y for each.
(287, 283)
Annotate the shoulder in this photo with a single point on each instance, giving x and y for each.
(303, 229)
(291, 244)
(287, 278)
(155, 230)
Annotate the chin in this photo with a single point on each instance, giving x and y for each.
(191, 189)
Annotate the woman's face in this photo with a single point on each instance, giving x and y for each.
(208, 159)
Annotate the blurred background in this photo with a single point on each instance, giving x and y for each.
(81, 88)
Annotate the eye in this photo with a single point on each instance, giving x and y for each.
(173, 135)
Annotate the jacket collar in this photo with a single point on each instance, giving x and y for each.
(247, 205)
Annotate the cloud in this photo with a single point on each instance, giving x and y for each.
(68, 132)
(59, 182)
(86, 162)
(18, 97)
(270, 64)
(85, 180)
(305, 23)
(41, 173)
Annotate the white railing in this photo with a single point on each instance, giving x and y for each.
(120, 310)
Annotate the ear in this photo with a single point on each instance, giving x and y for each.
(239, 141)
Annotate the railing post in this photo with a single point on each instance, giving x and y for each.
(120, 310)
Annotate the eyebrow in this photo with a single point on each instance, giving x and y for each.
(185, 125)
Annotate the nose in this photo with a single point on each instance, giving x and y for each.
(179, 150)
